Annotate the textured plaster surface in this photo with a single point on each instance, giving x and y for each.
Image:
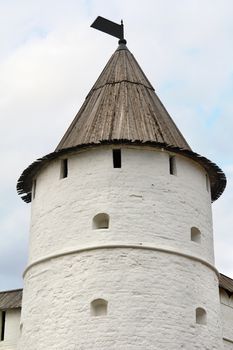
(152, 295)
(228, 345)
(151, 302)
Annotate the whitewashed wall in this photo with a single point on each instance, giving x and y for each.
(12, 323)
(227, 319)
(170, 204)
(145, 265)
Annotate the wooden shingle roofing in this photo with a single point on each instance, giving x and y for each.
(122, 105)
(11, 299)
(122, 108)
(226, 283)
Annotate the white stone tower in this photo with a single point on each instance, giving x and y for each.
(121, 245)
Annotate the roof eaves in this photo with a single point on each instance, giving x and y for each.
(226, 283)
(217, 177)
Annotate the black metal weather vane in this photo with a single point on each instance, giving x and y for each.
(111, 28)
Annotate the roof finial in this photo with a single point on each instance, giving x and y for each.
(110, 28)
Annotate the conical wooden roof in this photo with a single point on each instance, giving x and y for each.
(122, 108)
(122, 105)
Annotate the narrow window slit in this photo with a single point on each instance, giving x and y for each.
(116, 153)
(172, 165)
(207, 183)
(64, 168)
(3, 321)
(33, 189)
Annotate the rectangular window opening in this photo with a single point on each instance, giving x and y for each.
(172, 165)
(64, 168)
(3, 320)
(33, 189)
(116, 153)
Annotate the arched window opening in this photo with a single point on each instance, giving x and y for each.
(99, 307)
(201, 317)
(172, 165)
(195, 235)
(64, 168)
(100, 221)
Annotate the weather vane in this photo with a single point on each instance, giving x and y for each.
(110, 28)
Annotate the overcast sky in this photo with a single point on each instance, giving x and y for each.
(50, 58)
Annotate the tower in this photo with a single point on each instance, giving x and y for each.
(121, 244)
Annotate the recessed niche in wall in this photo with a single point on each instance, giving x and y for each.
(100, 221)
(201, 317)
(116, 156)
(172, 165)
(99, 307)
(64, 168)
(195, 235)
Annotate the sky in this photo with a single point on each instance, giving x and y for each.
(49, 60)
